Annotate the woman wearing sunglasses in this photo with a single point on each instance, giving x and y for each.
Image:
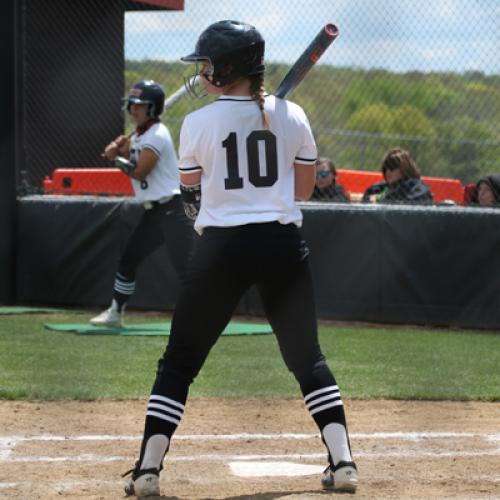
(326, 188)
(402, 182)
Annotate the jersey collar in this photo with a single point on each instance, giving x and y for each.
(142, 128)
(235, 98)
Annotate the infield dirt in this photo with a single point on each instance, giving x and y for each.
(403, 449)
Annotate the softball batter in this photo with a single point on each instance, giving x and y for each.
(244, 160)
(151, 163)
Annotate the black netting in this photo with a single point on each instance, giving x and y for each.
(70, 84)
(401, 75)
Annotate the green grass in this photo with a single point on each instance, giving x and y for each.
(399, 363)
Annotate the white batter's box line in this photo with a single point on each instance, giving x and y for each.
(61, 485)
(494, 479)
(53, 437)
(84, 457)
(419, 436)
(7, 441)
(8, 485)
(223, 457)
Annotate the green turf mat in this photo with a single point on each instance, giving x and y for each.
(28, 310)
(152, 329)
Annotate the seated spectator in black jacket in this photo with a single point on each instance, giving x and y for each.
(488, 191)
(326, 188)
(402, 182)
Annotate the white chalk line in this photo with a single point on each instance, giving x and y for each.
(222, 457)
(8, 443)
(8, 485)
(61, 485)
(405, 436)
(251, 465)
(85, 457)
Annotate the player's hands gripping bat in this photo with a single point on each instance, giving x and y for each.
(119, 146)
(307, 60)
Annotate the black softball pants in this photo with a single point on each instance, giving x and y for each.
(167, 224)
(226, 262)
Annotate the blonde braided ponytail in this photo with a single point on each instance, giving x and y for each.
(257, 92)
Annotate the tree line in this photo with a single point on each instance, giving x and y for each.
(448, 121)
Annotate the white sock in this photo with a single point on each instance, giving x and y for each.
(116, 307)
(335, 436)
(156, 447)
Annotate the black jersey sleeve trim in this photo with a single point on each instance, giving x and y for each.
(305, 160)
(188, 170)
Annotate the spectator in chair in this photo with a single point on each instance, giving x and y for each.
(488, 191)
(326, 187)
(401, 184)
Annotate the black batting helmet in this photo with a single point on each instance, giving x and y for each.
(146, 92)
(232, 48)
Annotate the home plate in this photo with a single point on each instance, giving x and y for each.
(260, 469)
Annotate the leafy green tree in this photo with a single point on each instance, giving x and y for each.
(411, 121)
(375, 118)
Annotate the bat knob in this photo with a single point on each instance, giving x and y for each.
(331, 30)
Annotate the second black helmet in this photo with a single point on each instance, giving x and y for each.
(146, 92)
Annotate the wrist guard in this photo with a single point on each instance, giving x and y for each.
(126, 166)
(191, 199)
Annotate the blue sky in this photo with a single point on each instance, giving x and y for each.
(398, 35)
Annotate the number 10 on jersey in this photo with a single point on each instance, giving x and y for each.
(264, 177)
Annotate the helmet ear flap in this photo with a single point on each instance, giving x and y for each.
(151, 110)
(226, 70)
(223, 75)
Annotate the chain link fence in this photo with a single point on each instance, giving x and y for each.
(400, 75)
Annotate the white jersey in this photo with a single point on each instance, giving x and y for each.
(247, 171)
(163, 180)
